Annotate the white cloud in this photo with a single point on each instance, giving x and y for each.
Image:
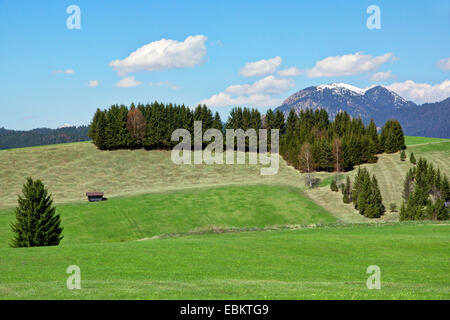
(93, 83)
(67, 71)
(292, 71)
(347, 65)
(258, 94)
(163, 83)
(381, 76)
(261, 67)
(128, 82)
(421, 92)
(164, 54)
(267, 85)
(223, 99)
(444, 64)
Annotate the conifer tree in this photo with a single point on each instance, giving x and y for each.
(403, 155)
(407, 186)
(372, 133)
(412, 159)
(291, 124)
(445, 189)
(347, 191)
(279, 122)
(364, 200)
(333, 186)
(393, 207)
(37, 223)
(356, 186)
(217, 123)
(377, 203)
(269, 121)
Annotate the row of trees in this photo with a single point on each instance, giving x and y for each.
(147, 126)
(42, 136)
(337, 145)
(425, 192)
(150, 126)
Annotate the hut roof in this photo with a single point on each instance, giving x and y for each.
(95, 194)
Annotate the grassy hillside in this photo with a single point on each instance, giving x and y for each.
(390, 172)
(138, 217)
(70, 170)
(303, 264)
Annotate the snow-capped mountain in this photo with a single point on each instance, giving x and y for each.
(375, 102)
(378, 103)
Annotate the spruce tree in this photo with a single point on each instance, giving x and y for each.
(441, 211)
(445, 189)
(279, 122)
(333, 186)
(347, 191)
(217, 123)
(403, 212)
(407, 186)
(364, 203)
(403, 155)
(37, 223)
(393, 207)
(356, 187)
(377, 203)
(412, 159)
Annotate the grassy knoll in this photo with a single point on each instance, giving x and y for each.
(70, 170)
(137, 217)
(321, 263)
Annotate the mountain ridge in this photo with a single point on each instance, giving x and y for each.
(376, 102)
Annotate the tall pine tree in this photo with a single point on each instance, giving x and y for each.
(37, 223)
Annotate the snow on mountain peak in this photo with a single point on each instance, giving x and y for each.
(339, 86)
(65, 125)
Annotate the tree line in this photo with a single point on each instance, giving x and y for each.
(150, 126)
(43, 136)
(336, 145)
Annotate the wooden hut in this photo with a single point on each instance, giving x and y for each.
(95, 196)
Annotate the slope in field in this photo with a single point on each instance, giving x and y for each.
(190, 210)
(390, 172)
(70, 170)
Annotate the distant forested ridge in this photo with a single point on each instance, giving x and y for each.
(43, 136)
(341, 144)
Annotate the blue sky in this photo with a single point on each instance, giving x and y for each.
(46, 68)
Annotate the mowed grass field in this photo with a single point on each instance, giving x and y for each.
(321, 263)
(70, 170)
(188, 210)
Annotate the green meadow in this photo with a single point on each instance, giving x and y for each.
(175, 212)
(216, 231)
(320, 263)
